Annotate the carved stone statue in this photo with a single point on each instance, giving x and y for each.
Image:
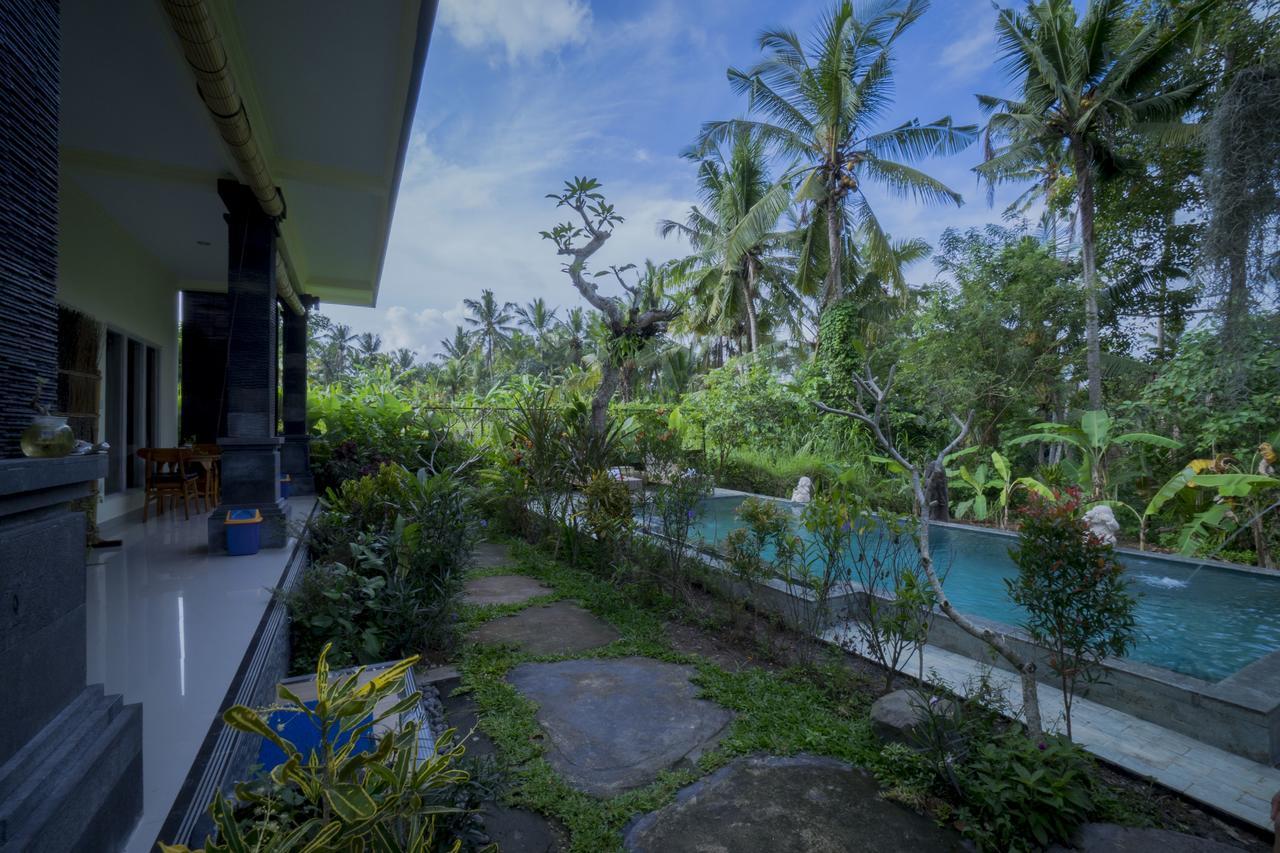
(803, 492)
(1102, 523)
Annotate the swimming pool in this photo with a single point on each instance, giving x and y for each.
(1206, 622)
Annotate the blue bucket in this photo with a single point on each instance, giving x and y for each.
(244, 532)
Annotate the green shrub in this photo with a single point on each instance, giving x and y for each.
(1024, 794)
(389, 550)
(1073, 592)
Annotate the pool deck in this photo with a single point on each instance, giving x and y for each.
(1221, 780)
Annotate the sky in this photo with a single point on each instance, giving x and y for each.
(519, 95)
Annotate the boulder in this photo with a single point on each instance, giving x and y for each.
(900, 716)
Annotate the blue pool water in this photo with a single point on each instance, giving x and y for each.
(1207, 623)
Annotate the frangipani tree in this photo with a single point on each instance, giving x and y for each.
(631, 322)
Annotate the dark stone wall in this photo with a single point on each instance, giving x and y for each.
(28, 211)
(206, 325)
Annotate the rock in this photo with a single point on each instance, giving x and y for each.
(613, 725)
(900, 715)
(503, 589)
(1102, 524)
(490, 554)
(803, 492)
(1110, 838)
(561, 628)
(764, 804)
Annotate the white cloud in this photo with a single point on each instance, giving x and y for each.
(421, 331)
(972, 52)
(524, 29)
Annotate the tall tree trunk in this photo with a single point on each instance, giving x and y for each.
(609, 379)
(753, 332)
(1093, 354)
(835, 249)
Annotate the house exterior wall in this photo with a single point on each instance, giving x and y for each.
(104, 273)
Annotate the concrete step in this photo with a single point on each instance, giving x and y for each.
(78, 784)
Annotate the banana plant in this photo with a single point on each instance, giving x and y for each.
(1220, 515)
(1094, 438)
(999, 477)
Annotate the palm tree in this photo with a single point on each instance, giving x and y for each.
(341, 337)
(368, 345)
(458, 347)
(819, 103)
(539, 320)
(1082, 79)
(491, 322)
(403, 360)
(575, 330)
(732, 245)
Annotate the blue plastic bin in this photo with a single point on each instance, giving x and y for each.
(300, 730)
(286, 485)
(244, 532)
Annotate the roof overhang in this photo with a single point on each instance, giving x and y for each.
(330, 88)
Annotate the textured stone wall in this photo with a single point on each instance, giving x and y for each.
(206, 325)
(28, 211)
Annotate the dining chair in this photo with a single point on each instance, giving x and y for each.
(168, 475)
(209, 458)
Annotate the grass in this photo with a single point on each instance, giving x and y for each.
(779, 713)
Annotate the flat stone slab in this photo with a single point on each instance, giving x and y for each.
(562, 628)
(1110, 838)
(486, 555)
(762, 804)
(503, 589)
(614, 725)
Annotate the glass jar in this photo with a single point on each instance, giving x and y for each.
(48, 436)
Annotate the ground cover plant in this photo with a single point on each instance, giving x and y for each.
(974, 771)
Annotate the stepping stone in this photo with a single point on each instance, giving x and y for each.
(562, 628)
(519, 830)
(503, 589)
(486, 555)
(768, 803)
(614, 725)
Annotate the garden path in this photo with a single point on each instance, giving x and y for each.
(612, 725)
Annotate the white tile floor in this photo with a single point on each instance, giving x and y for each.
(1221, 779)
(167, 627)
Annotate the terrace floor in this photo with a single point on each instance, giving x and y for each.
(1222, 780)
(168, 625)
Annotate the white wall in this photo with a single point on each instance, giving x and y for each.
(103, 272)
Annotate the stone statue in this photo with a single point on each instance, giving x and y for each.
(803, 492)
(1102, 523)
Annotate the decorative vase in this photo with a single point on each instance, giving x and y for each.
(48, 436)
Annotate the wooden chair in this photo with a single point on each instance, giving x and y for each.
(168, 475)
(209, 458)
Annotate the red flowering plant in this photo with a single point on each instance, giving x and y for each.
(1072, 590)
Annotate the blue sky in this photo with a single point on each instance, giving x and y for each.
(520, 94)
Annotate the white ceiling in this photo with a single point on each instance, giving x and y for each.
(329, 86)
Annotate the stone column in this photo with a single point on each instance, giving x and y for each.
(70, 756)
(250, 447)
(295, 455)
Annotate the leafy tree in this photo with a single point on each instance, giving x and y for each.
(1073, 592)
(1081, 80)
(818, 104)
